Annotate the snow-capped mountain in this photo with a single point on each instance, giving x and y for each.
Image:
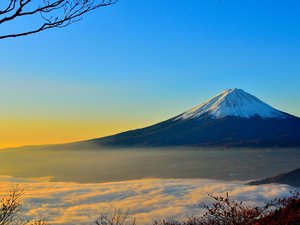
(231, 118)
(233, 102)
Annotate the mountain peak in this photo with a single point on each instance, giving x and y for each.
(233, 102)
(233, 91)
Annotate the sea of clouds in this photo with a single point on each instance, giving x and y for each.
(146, 199)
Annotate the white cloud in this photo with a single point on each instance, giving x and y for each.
(147, 199)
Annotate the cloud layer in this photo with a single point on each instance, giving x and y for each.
(147, 199)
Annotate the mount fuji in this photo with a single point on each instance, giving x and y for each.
(233, 118)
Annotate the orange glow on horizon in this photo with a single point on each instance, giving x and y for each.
(21, 132)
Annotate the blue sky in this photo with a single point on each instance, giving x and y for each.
(139, 62)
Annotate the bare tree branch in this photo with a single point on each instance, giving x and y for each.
(117, 217)
(10, 206)
(51, 13)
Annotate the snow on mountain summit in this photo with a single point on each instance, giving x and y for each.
(233, 102)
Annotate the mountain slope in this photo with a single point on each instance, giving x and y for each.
(232, 118)
(291, 178)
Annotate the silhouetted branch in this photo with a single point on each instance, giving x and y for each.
(51, 13)
(118, 217)
(10, 206)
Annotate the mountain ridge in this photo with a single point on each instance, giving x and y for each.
(291, 178)
(233, 118)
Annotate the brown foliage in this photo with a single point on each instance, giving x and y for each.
(284, 211)
(225, 211)
(287, 212)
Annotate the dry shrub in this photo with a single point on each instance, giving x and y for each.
(117, 217)
(10, 209)
(282, 211)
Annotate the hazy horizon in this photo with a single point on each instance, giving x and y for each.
(92, 164)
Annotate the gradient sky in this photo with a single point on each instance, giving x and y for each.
(140, 62)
